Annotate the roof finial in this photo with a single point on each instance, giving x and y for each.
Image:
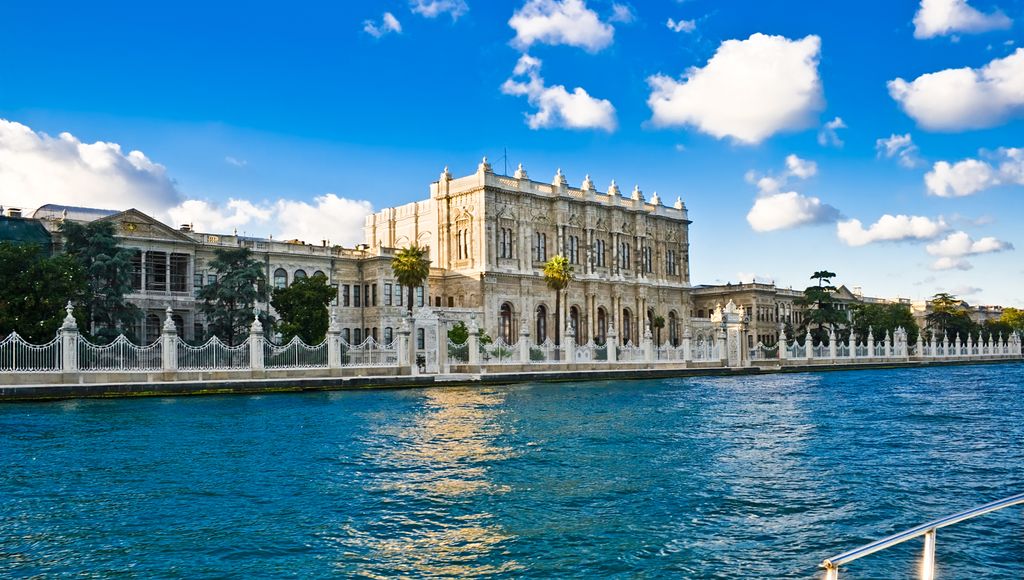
(588, 185)
(637, 194)
(559, 180)
(446, 175)
(520, 173)
(613, 189)
(484, 166)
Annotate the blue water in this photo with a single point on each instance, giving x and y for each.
(752, 477)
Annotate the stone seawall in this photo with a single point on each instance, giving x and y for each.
(238, 385)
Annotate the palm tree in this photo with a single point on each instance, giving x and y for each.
(558, 274)
(658, 323)
(411, 268)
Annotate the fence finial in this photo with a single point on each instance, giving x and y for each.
(69, 319)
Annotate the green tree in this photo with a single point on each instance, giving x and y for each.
(108, 271)
(1014, 317)
(882, 318)
(34, 289)
(949, 317)
(411, 268)
(228, 303)
(302, 309)
(822, 310)
(558, 274)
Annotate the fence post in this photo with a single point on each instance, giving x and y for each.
(687, 336)
(920, 343)
(334, 341)
(473, 343)
(723, 346)
(404, 353)
(612, 343)
(783, 343)
(169, 340)
(256, 342)
(871, 343)
(808, 345)
(69, 342)
(524, 342)
(887, 345)
(832, 346)
(957, 344)
(443, 364)
(648, 344)
(1018, 342)
(570, 343)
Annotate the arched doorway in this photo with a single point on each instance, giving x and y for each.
(602, 325)
(673, 328)
(574, 320)
(541, 324)
(627, 326)
(505, 323)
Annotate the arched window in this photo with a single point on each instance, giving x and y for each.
(319, 273)
(179, 324)
(627, 326)
(299, 274)
(700, 313)
(346, 335)
(280, 278)
(673, 328)
(374, 333)
(505, 328)
(152, 329)
(389, 335)
(602, 325)
(541, 326)
(574, 320)
(357, 335)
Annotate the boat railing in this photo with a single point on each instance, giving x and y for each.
(831, 565)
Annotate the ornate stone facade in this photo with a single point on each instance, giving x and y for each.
(489, 236)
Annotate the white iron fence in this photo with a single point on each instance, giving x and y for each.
(17, 355)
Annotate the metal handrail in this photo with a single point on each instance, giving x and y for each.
(831, 565)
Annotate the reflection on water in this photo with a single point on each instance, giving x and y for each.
(434, 462)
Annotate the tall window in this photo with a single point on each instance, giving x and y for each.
(374, 294)
(346, 295)
(627, 326)
(319, 273)
(281, 278)
(574, 249)
(357, 335)
(355, 296)
(574, 318)
(602, 324)
(541, 326)
(462, 243)
(197, 284)
(506, 323)
(671, 267)
(599, 254)
(389, 335)
(646, 258)
(137, 270)
(366, 295)
(421, 339)
(398, 294)
(387, 295)
(156, 271)
(419, 296)
(624, 261)
(152, 328)
(346, 335)
(540, 247)
(299, 275)
(505, 243)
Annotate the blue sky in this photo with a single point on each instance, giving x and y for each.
(282, 105)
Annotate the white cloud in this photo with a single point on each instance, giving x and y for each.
(388, 24)
(948, 263)
(902, 148)
(235, 161)
(801, 168)
(787, 210)
(829, 133)
(965, 98)
(557, 107)
(960, 244)
(970, 176)
(622, 13)
(555, 22)
(890, 228)
(434, 8)
(748, 91)
(681, 25)
(943, 17)
(36, 169)
(752, 278)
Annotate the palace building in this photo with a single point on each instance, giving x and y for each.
(488, 237)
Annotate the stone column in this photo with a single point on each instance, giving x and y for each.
(723, 347)
(648, 344)
(808, 345)
(473, 343)
(687, 337)
(612, 343)
(334, 341)
(524, 341)
(832, 350)
(169, 343)
(920, 344)
(443, 364)
(887, 345)
(957, 344)
(570, 342)
(871, 342)
(256, 342)
(783, 343)
(853, 345)
(405, 353)
(69, 342)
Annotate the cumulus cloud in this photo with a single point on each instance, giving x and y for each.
(555, 22)
(748, 91)
(829, 133)
(965, 98)
(681, 25)
(329, 217)
(890, 228)
(387, 25)
(900, 147)
(37, 169)
(944, 17)
(434, 8)
(970, 176)
(954, 248)
(947, 263)
(235, 161)
(622, 13)
(775, 209)
(557, 107)
(752, 278)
